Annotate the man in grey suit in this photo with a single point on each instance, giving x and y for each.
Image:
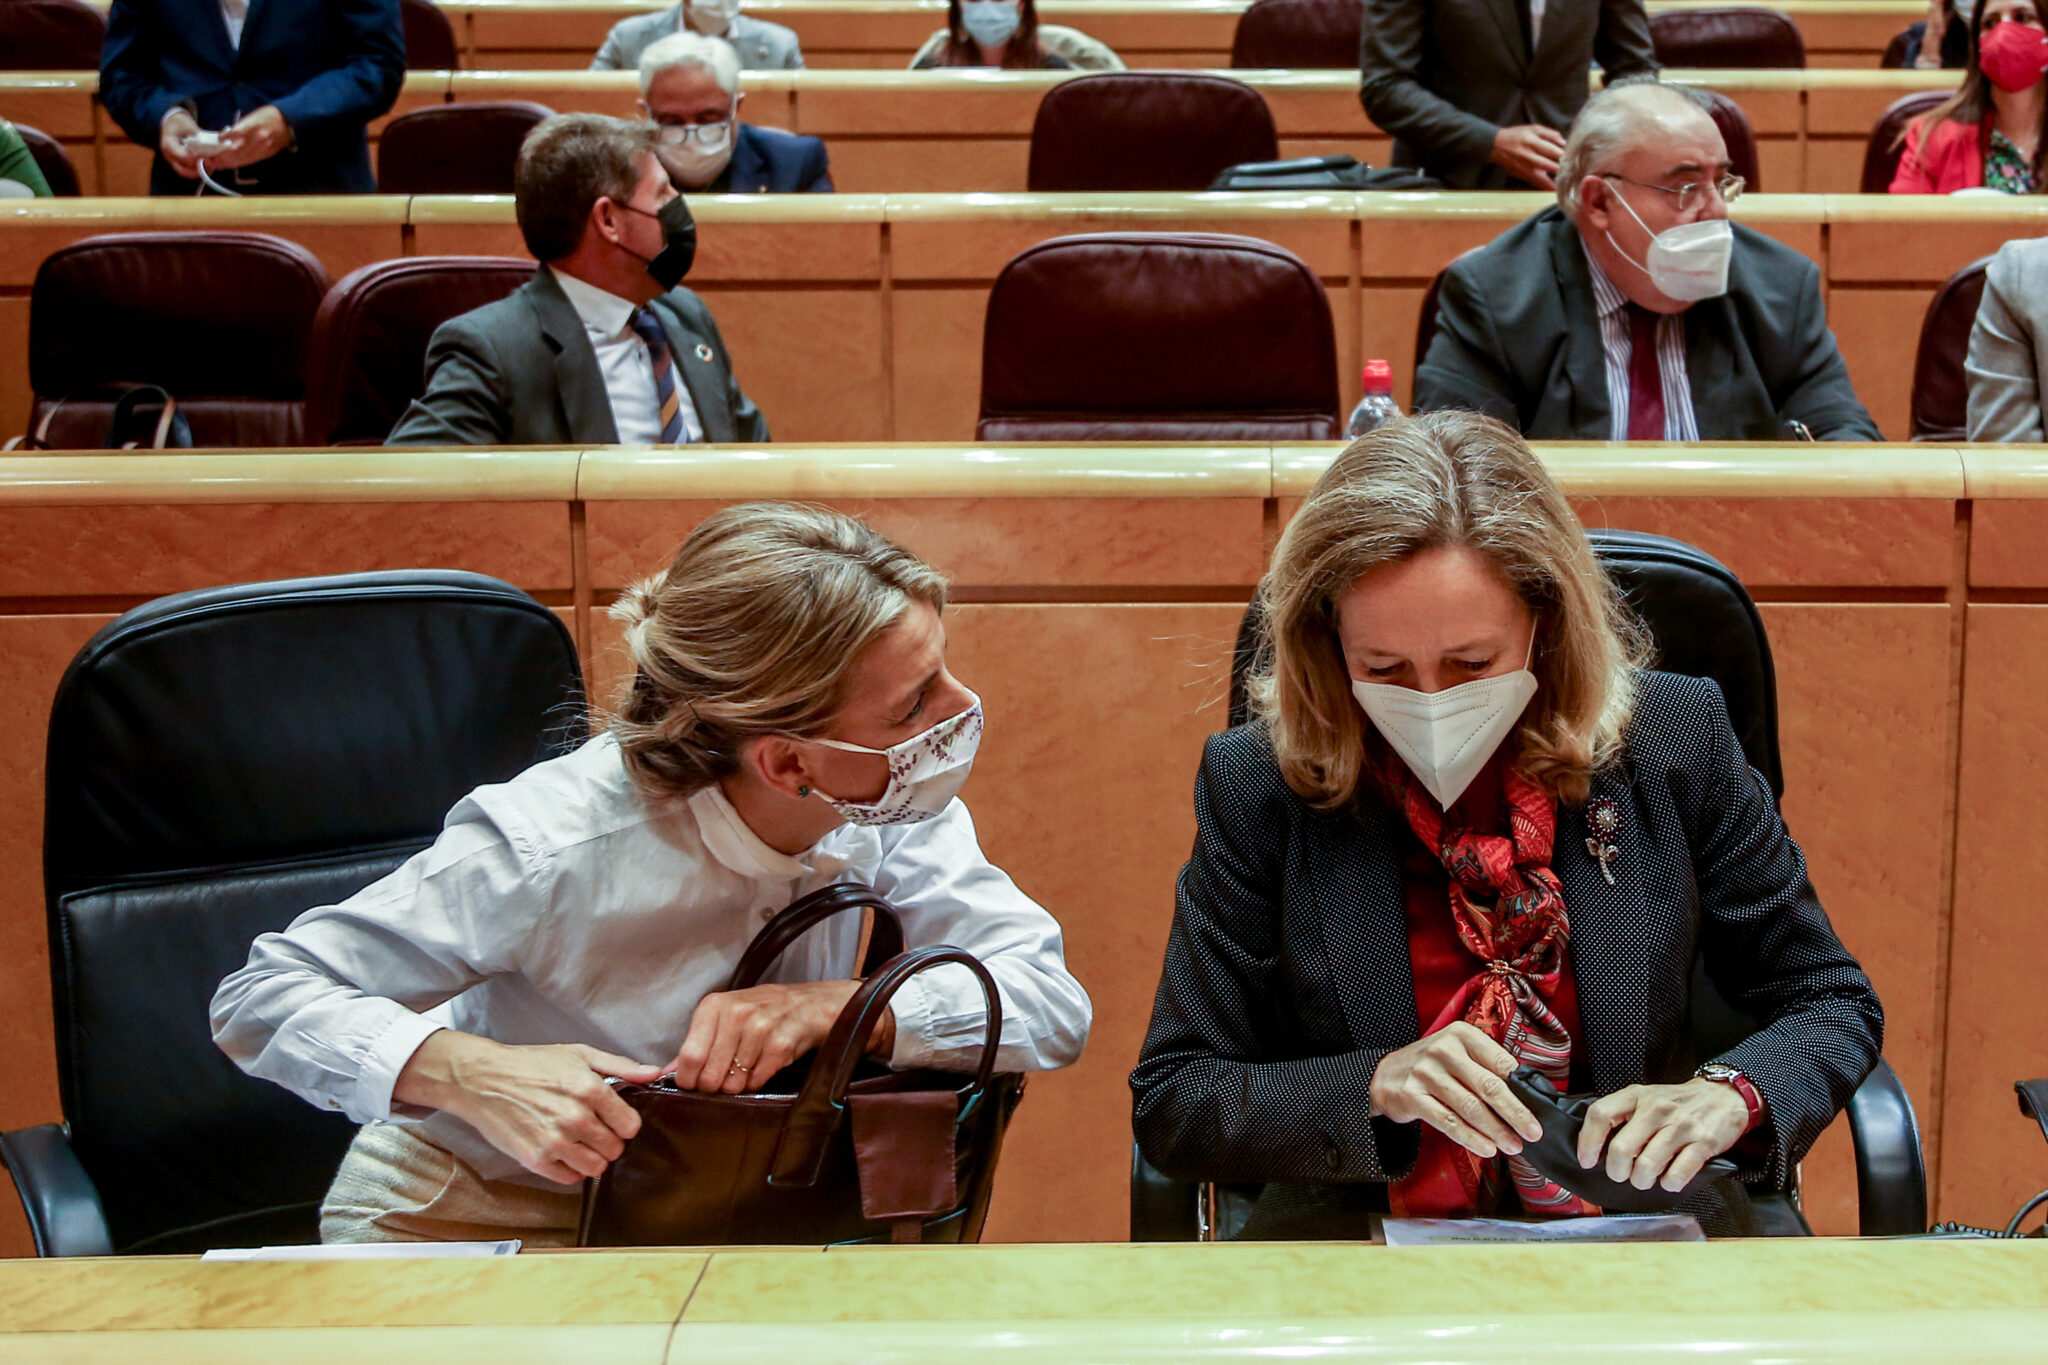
(600, 347)
(2007, 368)
(762, 46)
(1633, 310)
(1478, 93)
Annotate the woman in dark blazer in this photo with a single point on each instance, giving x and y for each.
(1353, 967)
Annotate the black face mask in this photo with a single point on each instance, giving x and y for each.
(679, 242)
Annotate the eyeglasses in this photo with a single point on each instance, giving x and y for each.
(703, 134)
(1690, 196)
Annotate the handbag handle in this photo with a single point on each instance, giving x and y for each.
(821, 1104)
(801, 915)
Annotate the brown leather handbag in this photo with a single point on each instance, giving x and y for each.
(833, 1149)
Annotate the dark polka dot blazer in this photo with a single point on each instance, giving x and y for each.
(1287, 978)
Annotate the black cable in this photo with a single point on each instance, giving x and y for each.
(2012, 1229)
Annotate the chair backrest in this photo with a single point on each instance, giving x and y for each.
(1158, 336)
(1293, 34)
(455, 148)
(51, 158)
(1146, 130)
(369, 347)
(1731, 36)
(219, 762)
(1739, 137)
(218, 318)
(429, 37)
(1881, 155)
(1941, 390)
(1894, 57)
(51, 35)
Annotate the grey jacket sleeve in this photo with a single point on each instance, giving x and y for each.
(1465, 365)
(1396, 100)
(466, 402)
(612, 55)
(1622, 43)
(2003, 367)
(1819, 392)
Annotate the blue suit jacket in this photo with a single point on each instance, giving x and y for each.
(330, 66)
(770, 161)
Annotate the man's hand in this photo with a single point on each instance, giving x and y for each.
(1667, 1132)
(548, 1108)
(255, 137)
(1529, 151)
(177, 126)
(1451, 1080)
(738, 1039)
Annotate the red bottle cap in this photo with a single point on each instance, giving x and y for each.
(1379, 377)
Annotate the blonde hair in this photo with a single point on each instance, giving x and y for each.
(754, 629)
(1445, 479)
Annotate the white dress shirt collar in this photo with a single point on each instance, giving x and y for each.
(1605, 291)
(604, 313)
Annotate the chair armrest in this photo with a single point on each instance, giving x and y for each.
(1891, 1174)
(2034, 1101)
(1162, 1210)
(63, 1207)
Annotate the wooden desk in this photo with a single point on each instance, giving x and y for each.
(1905, 589)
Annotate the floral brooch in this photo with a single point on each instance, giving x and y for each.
(1603, 818)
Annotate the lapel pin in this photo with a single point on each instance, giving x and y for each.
(1603, 817)
(703, 353)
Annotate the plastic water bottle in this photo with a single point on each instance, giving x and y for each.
(1377, 407)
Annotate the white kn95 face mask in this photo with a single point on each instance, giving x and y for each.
(1446, 737)
(1686, 263)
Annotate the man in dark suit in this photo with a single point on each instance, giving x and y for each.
(601, 347)
(690, 89)
(1635, 310)
(1478, 93)
(288, 87)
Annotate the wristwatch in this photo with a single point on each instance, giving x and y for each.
(1727, 1075)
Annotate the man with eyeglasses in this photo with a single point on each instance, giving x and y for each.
(1634, 310)
(690, 91)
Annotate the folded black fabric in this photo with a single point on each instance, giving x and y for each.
(1556, 1153)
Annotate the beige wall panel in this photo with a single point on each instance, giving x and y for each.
(467, 239)
(1373, 151)
(147, 551)
(1155, 685)
(1781, 164)
(15, 394)
(811, 359)
(59, 106)
(938, 361)
(981, 544)
(1802, 542)
(1895, 251)
(1834, 165)
(845, 252)
(1862, 691)
(341, 246)
(916, 109)
(563, 28)
(1879, 330)
(34, 651)
(899, 165)
(2008, 544)
(1854, 108)
(1998, 1012)
(978, 248)
(1396, 249)
(1387, 332)
(127, 164)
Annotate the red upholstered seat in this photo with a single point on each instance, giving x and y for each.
(455, 148)
(429, 37)
(1739, 137)
(1887, 145)
(1146, 130)
(51, 158)
(1941, 395)
(1286, 34)
(50, 35)
(220, 319)
(370, 338)
(1732, 36)
(1158, 336)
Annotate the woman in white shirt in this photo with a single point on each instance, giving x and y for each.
(790, 723)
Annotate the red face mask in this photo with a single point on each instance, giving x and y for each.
(2013, 55)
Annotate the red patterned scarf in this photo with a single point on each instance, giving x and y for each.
(1508, 907)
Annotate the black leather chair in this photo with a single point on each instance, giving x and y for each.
(1941, 390)
(220, 761)
(1146, 130)
(1704, 624)
(429, 37)
(1298, 35)
(1886, 147)
(469, 148)
(51, 159)
(1743, 37)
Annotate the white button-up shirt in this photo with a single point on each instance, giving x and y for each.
(564, 907)
(1618, 343)
(626, 364)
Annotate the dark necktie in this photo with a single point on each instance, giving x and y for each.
(648, 328)
(1645, 380)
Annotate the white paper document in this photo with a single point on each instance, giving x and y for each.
(365, 1251)
(1431, 1232)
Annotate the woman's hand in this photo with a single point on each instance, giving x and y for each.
(1451, 1080)
(548, 1108)
(738, 1039)
(1666, 1131)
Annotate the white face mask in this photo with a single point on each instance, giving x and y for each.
(712, 17)
(1687, 263)
(990, 22)
(925, 772)
(1446, 737)
(696, 153)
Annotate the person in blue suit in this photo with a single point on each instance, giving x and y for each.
(690, 91)
(286, 88)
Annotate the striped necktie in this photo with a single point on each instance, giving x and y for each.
(648, 328)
